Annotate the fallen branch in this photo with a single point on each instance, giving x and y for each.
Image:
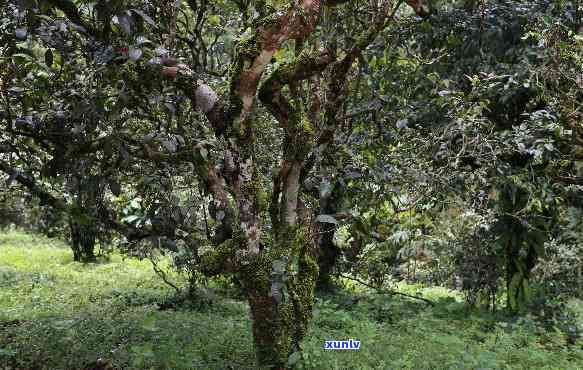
(384, 291)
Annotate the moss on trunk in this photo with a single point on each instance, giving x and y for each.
(280, 289)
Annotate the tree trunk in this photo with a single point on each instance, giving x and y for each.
(281, 305)
(328, 252)
(88, 238)
(75, 242)
(327, 257)
(83, 239)
(518, 271)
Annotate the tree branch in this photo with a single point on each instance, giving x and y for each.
(253, 54)
(203, 97)
(304, 66)
(384, 291)
(337, 91)
(61, 205)
(45, 197)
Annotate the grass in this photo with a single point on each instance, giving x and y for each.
(60, 314)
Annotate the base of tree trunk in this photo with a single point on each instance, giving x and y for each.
(280, 319)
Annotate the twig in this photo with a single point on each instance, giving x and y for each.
(391, 292)
(162, 274)
(206, 224)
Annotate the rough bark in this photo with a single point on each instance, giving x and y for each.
(281, 316)
(278, 277)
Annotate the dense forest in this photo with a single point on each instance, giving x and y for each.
(236, 184)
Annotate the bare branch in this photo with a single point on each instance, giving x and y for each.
(384, 291)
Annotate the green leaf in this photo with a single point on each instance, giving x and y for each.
(22, 56)
(279, 266)
(135, 204)
(325, 189)
(130, 219)
(214, 19)
(294, 358)
(125, 23)
(327, 219)
(146, 17)
(203, 153)
(135, 53)
(20, 33)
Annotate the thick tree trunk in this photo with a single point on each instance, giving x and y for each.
(75, 243)
(281, 305)
(278, 274)
(272, 329)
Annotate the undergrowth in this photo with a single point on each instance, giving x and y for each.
(60, 314)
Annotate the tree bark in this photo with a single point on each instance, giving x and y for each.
(83, 239)
(281, 306)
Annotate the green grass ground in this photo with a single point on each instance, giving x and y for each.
(59, 314)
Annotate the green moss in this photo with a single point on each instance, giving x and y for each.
(306, 127)
(249, 188)
(214, 262)
(267, 21)
(247, 49)
(271, 322)
(262, 199)
(254, 190)
(235, 102)
(272, 331)
(300, 136)
(305, 285)
(279, 324)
